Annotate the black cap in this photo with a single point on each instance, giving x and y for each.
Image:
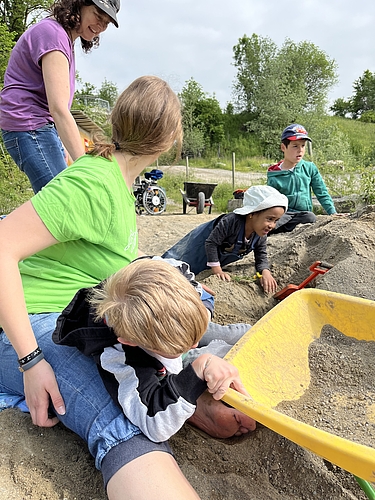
(110, 7)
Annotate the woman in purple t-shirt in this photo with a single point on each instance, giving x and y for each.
(39, 87)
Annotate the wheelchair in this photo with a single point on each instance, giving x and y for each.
(149, 197)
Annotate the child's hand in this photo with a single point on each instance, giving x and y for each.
(220, 273)
(208, 290)
(268, 282)
(219, 375)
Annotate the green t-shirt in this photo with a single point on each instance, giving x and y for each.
(89, 209)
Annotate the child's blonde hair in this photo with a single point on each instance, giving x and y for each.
(146, 120)
(151, 304)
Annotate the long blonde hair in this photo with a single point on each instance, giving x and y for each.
(146, 120)
(151, 304)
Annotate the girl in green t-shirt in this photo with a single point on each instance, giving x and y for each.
(78, 230)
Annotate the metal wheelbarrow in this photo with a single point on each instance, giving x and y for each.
(272, 358)
(198, 195)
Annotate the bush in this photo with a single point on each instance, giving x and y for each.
(368, 185)
(222, 193)
(15, 187)
(368, 117)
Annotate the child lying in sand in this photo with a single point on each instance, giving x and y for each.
(230, 237)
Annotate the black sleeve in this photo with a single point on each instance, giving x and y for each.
(159, 405)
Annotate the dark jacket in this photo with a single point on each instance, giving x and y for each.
(225, 237)
(228, 236)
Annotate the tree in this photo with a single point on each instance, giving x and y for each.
(96, 103)
(251, 58)
(203, 120)
(87, 89)
(209, 114)
(18, 15)
(90, 96)
(108, 92)
(364, 94)
(368, 116)
(341, 107)
(310, 70)
(306, 72)
(278, 85)
(6, 45)
(193, 144)
(362, 103)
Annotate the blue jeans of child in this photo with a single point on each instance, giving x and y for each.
(38, 153)
(90, 411)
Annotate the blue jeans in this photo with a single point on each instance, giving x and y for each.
(90, 411)
(38, 153)
(290, 220)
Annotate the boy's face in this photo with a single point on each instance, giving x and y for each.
(171, 356)
(295, 151)
(263, 222)
(167, 356)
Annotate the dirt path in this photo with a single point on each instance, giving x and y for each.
(215, 174)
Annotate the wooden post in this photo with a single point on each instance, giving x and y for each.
(233, 168)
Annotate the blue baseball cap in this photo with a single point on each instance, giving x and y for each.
(295, 132)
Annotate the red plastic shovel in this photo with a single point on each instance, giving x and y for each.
(316, 268)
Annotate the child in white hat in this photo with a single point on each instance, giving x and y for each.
(230, 237)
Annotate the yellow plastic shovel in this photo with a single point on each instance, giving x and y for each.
(272, 359)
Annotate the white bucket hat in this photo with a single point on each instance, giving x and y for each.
(258, 198)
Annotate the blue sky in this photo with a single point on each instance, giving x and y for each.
(180, 39)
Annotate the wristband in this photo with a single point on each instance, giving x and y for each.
(30, 360)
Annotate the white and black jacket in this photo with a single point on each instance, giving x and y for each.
(157, 401)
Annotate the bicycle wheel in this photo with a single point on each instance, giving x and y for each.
(155, 200)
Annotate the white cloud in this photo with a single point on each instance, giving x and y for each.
(180, 39)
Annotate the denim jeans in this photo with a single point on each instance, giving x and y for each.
(90, 411)
(38, 153)
(218, 340)
(290, 220)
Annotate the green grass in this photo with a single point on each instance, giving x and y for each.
(361, 135)
(223, 192)
(15, 187)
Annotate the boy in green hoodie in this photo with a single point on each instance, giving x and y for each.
(297, 178)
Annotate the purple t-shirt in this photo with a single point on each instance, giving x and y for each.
(23, 103)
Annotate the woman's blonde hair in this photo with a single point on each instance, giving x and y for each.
(151, 304)
(146, 120)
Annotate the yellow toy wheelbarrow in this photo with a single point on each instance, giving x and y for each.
(272, 359)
